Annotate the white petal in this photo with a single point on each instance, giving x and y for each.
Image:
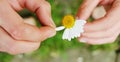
(65, 34)
(78, 28)
(80, 22)
(72, 33)
(75, 31)
(60, 28)
(69, 35)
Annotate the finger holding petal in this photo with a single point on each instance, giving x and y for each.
(60, 28)
(107, 21)
(104, 33)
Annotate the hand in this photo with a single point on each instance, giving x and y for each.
(19, 37)
(103, 30)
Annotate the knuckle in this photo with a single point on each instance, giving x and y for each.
(18, 33)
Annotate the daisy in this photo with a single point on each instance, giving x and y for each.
(73, 28)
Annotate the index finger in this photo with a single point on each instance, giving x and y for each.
(42, 9)
(86, 9)
(14, 25)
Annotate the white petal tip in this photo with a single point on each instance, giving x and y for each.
(81, 21)
(69, 39)
(60, 28)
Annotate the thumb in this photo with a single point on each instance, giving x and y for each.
(86, 9)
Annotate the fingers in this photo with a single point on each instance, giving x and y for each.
(107, 37)
(41, 8)
(105, 29)
(19, 47)
(114, 30)
(86, 8)
(44, 14)
(106, 22)
(101, 37)
(99, 40)
(9, 45)
(14, 25)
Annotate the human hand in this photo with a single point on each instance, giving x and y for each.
(103, 30)
(19, 37)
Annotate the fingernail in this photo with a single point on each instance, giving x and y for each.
(52, 23)
(52, 33)
(83, 40)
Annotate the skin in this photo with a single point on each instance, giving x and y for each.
(103, 30)
(15, 35)
(18, 37)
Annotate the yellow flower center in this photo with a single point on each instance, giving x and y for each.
(68, 21)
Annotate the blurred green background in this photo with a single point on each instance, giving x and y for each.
(57, 50)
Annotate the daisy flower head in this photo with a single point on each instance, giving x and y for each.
(73, 28)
